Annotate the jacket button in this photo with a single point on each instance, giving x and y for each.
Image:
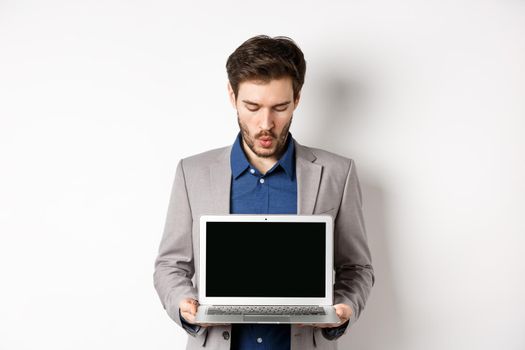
(226, 335)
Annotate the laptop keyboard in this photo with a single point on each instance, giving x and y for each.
(265, 310)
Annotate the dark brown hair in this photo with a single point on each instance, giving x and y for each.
(265, 58)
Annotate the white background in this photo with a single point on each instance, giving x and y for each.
(100, 99)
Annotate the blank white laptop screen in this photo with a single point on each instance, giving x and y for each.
(266, 259)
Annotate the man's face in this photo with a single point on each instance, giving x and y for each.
(264, 111)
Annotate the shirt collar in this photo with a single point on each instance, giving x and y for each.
(287, 160)
(239, 162)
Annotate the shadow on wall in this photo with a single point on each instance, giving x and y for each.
(380, 326)
(344, 102)
(339, 102)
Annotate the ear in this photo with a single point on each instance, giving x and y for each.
(231, 95)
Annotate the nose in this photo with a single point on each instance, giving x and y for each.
(266, 121)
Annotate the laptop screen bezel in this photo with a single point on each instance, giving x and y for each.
(326, 300)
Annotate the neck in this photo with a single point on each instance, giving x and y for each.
(263, 164)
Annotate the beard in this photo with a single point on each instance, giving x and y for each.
(278, 146)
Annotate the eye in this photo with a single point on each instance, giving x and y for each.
(281, 109)
(252, 108)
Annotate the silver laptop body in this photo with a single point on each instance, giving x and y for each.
(266, 269)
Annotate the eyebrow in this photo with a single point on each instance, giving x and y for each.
(277, 105)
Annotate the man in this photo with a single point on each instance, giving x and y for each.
(265, 172)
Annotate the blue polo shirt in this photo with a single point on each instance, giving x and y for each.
(254, 193)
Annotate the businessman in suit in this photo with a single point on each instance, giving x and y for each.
(265, 171)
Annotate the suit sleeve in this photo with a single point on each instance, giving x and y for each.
(352, 260)
(174, 266)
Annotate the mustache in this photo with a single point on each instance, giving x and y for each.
(265, 133)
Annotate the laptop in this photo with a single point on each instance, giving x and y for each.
(266, 269)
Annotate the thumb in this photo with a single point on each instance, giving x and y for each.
(340, 313)
(193, 306)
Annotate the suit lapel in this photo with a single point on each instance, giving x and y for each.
(220, 182)
(308, 179)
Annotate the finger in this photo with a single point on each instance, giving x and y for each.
(188, 310)
(189, 301)
(188, 317)
(185, 305)
(184, 308)
(343, 312)
(302, 325)
(326, 325)
(343, 316)
(189, 306)
(206, 325)
(340, 313)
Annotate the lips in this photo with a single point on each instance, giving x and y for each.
(266, 141)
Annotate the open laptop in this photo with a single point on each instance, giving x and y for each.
(266, 269)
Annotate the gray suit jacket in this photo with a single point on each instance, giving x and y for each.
(326, 184)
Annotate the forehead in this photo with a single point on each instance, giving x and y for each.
(272, 91)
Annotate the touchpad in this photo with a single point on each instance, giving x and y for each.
(266, 318)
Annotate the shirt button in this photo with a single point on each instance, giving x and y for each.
(259, 340)
(226, 335)
(261, 181)
(252, 171)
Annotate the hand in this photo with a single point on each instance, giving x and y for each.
(188, 309)
(343, 311)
